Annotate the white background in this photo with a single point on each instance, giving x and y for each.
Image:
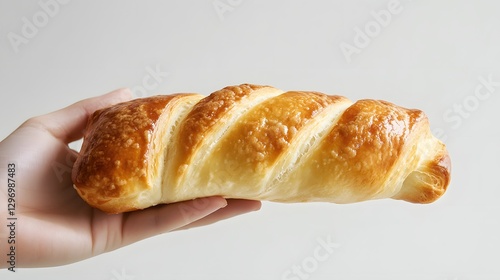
(430, 55)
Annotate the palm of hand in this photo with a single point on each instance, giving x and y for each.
(58, 227)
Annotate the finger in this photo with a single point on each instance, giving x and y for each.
(235, 207)
(142, 224)
(67, 124)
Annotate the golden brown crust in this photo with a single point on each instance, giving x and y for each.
(113, 161)
(429, 182)
(356, 158)
(264, 140)
(266, 132)
(262, 135)
(256, 142)
(369, 133)
(206, 113)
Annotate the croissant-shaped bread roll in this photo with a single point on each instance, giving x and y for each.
(260, 143)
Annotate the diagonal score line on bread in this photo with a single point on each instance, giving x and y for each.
(202, 129)
(258, 142)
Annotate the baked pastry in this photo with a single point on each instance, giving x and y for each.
(258, 142)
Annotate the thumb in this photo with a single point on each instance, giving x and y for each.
(67, 124)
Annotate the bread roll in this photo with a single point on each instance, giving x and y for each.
(260, 143)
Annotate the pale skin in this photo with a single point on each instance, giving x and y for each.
(54, 225)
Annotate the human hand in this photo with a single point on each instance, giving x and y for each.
(55, 226)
